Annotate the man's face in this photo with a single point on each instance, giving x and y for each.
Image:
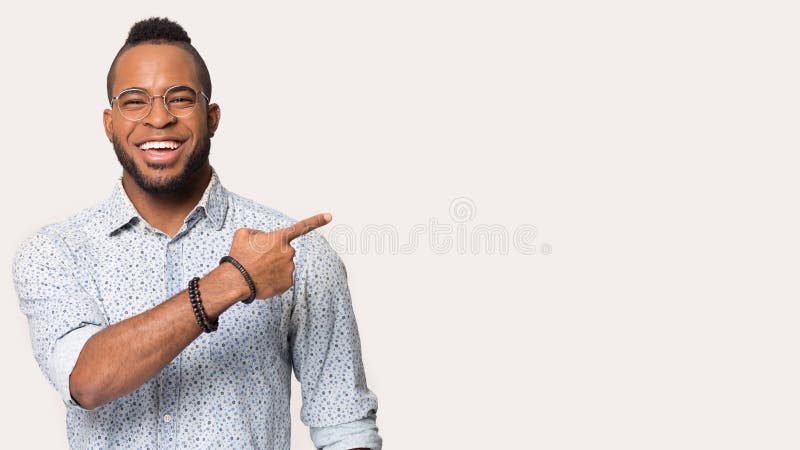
(156, 68)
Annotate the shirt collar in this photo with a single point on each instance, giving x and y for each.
(119, 210)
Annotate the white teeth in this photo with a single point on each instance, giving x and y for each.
(160, 144)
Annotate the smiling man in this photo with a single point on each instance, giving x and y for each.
(172, 314)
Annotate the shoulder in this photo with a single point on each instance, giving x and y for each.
(52, 244)
(41, 248)
(244, 212)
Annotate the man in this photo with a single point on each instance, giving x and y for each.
(117, 317)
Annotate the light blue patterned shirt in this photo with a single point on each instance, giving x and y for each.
(227, 389)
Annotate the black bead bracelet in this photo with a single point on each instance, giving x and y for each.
(246, 276)
(197, 306)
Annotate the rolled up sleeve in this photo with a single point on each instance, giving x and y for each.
(337, 406)
(62, 316)
(361, 433)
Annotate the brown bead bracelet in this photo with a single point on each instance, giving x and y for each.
(197, 306)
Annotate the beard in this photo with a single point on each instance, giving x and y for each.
(165, 185)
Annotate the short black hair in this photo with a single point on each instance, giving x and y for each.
(160, 30)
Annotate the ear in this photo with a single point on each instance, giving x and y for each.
(108, 124)
(213, 118)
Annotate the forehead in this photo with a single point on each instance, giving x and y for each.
(155, 67)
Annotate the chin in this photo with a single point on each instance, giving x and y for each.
(155, 178)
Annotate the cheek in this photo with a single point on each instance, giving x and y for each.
(123, 133)
(197, 134)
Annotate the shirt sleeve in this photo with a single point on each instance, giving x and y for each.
(62, 316)
(361, 433)
(337, 406)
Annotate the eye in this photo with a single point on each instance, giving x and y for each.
(133, 103)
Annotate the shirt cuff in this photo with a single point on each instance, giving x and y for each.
(67, 349)
(361, 433)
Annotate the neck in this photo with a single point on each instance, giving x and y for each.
(166, 212)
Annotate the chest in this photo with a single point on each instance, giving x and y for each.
(141, 270)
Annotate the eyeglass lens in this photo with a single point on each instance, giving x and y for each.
(134, 104)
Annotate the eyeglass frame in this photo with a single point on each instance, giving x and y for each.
(163, 100)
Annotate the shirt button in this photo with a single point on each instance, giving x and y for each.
(171, 246)
(167, 418)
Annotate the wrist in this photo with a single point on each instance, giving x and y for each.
(223, 287)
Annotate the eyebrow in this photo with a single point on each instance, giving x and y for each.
(131, 88)
(148, 92)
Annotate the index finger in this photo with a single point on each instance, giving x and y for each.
(304, 226)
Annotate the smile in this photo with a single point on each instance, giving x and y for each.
(160, 145)
(161, 151)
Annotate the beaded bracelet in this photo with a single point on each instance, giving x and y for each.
(246, 276)
(197, 306)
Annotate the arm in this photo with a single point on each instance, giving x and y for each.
(337, 406)
(122, 357)
(83, 357)
(93, 363)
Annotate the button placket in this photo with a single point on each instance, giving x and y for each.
(170, 374)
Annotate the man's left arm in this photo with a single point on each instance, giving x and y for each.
(338, 408)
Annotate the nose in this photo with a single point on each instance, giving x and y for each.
(159, 117)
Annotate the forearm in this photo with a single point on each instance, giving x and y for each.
(122, 357)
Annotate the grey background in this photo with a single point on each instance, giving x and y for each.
(653, 145)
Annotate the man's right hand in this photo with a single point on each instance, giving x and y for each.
(267, 256)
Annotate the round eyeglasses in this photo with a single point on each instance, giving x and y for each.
(135, 104)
